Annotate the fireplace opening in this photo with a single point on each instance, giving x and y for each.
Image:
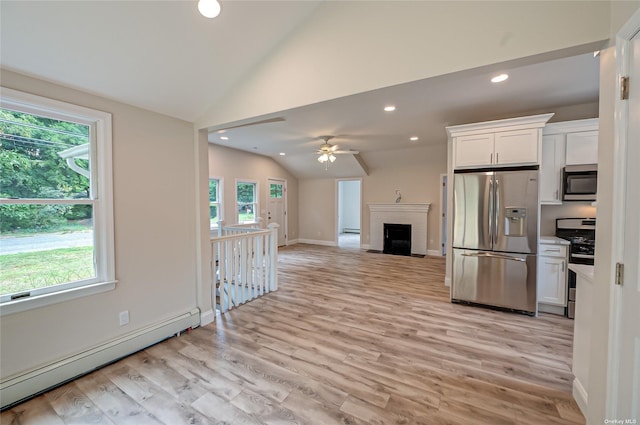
(397, 239)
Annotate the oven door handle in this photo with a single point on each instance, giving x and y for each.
(590, 256)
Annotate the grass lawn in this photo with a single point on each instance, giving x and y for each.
(30, 270)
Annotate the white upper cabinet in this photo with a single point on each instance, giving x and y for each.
(582, 148)
(474, 150)
(517, 147)
(565, 143)
(551, 164)
(509, 142)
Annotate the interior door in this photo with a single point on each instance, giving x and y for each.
(627, 351)
(276, 208)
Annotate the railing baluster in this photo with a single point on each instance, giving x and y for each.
(243, 264)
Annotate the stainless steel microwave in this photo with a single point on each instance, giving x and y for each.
(580, 182)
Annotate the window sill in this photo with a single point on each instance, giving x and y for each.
(38, 301)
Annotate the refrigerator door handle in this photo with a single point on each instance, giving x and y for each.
(490, 255)
(496, 208)
(491, 212)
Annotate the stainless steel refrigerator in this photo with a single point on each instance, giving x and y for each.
(495, 238)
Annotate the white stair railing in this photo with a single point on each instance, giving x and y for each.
(244, 264)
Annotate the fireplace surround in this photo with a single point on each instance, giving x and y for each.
(414, 214)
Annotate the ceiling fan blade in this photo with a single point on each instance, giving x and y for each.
(346, 152)
(333, 148)
(267, 121)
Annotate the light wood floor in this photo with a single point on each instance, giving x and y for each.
(349, 338)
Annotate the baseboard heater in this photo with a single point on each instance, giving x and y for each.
(350, 230)
(18, 388)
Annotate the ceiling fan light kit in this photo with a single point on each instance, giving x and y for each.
(327, 151)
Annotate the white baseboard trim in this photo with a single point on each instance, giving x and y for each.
(292, 241)
(434, 253)
(447, 282)
(27, 384)
(580, 396)
(553, 309)
(317, 242)
(365, 246)
(207, 317)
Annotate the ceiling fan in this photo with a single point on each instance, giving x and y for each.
(328, 151)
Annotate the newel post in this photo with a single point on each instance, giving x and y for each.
(273, 258)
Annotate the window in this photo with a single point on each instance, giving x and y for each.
(56, 214)
(247, 201)
(275, 190)
(215, 202)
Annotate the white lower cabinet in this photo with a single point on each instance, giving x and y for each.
(552, 276)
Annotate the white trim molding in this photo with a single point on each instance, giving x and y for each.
(317, 242)
(533, 121)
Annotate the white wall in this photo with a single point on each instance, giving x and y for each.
(387, 43)
(155, 238)
(349, 214)
(316, 211)
(232, 164)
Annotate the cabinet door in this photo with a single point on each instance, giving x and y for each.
(552, 280)
(582, 148)
(516, 147)
(472, 151)
(551, 165)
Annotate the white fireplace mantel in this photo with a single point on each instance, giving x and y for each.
(402, 213)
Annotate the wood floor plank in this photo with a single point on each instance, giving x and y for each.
(350, 337)
(117, 405)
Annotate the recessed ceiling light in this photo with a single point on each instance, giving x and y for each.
(499, 78)
(222, 131)
(414, 138)
(282, 154)
(389, 108)
(224, 138)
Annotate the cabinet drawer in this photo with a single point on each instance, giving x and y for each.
(552, 250)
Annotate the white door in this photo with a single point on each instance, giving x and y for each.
(626, 309)
(277, 208)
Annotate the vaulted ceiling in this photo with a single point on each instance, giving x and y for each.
(163, 56)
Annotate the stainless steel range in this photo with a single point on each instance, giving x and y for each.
(581, 232)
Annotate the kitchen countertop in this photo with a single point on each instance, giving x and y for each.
(583, 271)
(553, 240)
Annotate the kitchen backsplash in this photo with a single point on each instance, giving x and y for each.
(549, 213)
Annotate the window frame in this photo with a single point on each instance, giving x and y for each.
(255, 203)
(220, 198)
(101, 199)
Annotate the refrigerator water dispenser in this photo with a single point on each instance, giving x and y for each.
(515, 221)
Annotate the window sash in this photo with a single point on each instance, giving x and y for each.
(101, 198)
(253, 203)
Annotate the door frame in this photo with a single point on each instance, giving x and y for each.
(337, 208)
(621, 119)
(444, 181)
(285, 226)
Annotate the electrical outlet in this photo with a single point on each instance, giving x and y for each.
(124, 317)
